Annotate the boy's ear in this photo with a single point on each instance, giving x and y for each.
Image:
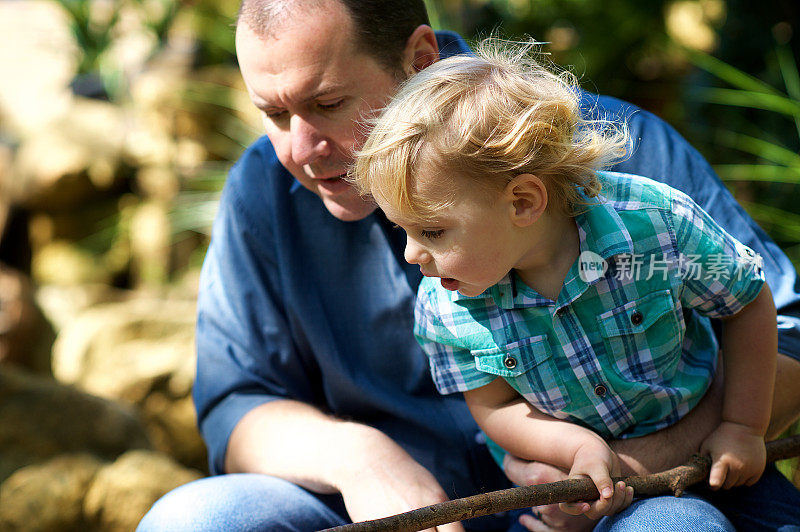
(421, 50)
(527, 196)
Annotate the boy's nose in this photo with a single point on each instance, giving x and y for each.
(416, 254)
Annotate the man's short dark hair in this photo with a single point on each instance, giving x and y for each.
(382, 26)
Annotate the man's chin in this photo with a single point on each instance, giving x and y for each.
(349, 209)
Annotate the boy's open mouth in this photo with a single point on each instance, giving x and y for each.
(449, 283)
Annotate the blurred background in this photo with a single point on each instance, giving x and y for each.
(118, 122)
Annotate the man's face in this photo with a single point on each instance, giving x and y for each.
(312, 84)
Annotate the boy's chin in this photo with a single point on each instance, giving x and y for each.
(470, 291)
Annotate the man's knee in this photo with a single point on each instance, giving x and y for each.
(668, 514)
(241, 502)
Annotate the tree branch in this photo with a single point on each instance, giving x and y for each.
(674, 481)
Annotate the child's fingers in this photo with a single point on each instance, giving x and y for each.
(732, 478)
(602, 480)
(574, 508)
(716, 477)
(623, 496)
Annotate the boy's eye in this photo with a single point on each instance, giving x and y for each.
(431, 234)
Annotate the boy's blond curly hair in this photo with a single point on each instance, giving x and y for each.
(486, 118)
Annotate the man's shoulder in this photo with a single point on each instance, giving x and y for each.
(257, 178)
(451, 43)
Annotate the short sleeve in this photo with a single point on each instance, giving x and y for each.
(720, 274)
(452, 365)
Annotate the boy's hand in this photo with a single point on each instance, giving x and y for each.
(597, 461)
(738, 455)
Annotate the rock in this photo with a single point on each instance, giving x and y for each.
(172, 427)
(124, 491)
(83, 161)
(139, 351)
(5, 185)
(26, 337)
(48, 496)
(61, 303)
(123, 350)
(151, 233)
(36, 47)
(42, 419)
(63, 263)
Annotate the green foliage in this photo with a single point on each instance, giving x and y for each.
(614, 44)
(94, 25)
(763, 164)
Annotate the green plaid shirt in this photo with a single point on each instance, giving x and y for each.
(627, 348)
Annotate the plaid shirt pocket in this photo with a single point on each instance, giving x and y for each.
(640, 337)
(528, 366)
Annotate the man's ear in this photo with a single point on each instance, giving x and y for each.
(527, 197)
(421, 50)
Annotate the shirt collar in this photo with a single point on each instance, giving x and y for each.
(600, 228)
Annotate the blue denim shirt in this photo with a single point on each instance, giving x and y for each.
(297, 304)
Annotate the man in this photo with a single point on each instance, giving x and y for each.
(310, 384)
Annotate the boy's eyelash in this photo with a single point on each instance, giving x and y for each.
(431, 233)
(425, 233)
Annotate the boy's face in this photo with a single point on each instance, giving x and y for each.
(471, 245)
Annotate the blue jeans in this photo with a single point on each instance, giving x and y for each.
(252, 502)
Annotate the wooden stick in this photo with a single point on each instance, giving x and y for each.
(674, 481)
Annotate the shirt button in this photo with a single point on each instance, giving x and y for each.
(510, 362)
(560, 312)
(637, 318)
(600, 390)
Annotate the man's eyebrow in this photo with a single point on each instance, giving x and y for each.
(327, 91)
(321, 93)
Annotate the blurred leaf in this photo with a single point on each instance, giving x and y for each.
(758, 172)
(759, 147)
(728, 73)
(791, 77)
(754, 100)
(783, 224)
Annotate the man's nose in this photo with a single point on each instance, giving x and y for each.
(308, 142)
(416, 254)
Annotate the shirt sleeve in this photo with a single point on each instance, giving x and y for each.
(244, 356)
(720, 274)
(452, 366)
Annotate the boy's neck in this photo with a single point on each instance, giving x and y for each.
(556, 248)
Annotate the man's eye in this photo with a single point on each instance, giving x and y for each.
(431, 234)
(331, 106)
(274, 115)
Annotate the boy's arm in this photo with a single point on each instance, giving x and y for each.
(522, 430)
(749, 347)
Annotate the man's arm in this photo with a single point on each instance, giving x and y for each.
(299, 443)
(786, 400)
(674, 445)
(255, 387)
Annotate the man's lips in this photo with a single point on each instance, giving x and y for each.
(332, 185)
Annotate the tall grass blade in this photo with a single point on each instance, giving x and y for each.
(729, 74)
